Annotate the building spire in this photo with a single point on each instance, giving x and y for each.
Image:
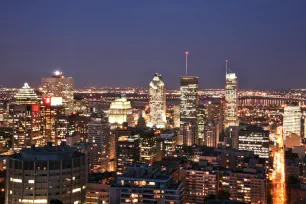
(186, 53)
(226, 66)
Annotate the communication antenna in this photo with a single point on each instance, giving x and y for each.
(226, 66)
(186, 53)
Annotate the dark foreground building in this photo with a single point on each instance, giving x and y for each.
(40, 174)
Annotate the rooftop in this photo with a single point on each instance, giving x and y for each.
(48, 152)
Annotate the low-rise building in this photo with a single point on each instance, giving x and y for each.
(199, 183)
(144, 184)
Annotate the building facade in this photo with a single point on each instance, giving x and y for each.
(199, 184)
(246, 186)
(176, 116)
(211, 134)
(256, 139)
(54, 124)
(292, 120)
(127, 150)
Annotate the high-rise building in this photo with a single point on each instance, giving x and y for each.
(24, 117)
(59, 86)
(292, 120)
(157, 102)
(79, 124)
(54, 125)
(26, 122)
(231, 101)
(120, 110)
(256, 139)
(127, 149)
(165, 145)
(211, 134)
(176, 116)
(144, 184)
(147, 147)
(215, 111)
(189, 109)
(41, 174)
(99, 136)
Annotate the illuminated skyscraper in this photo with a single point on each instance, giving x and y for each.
(24, 117)
(157, 94)
(231, 100)
(99, 136)
(292, 120)
(59, 86)
(189, 109)
(120, 110)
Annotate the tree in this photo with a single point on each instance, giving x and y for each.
(293, 180)
(223, 195)
(209, 197)
(55, 201)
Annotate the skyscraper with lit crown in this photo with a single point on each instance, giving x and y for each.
(231, 100)
(157, 95)
(24, 117)
(59, 86)
(189, 105)
(26, 95)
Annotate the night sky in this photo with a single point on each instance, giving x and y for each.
(123, 43)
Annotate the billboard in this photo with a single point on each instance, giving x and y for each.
(56, 101)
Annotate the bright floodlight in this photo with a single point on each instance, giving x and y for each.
(57, 72)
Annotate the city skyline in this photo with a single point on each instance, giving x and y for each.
(152, 102)
(99, 41)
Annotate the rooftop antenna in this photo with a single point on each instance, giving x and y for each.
(226, 66)
(186, 53)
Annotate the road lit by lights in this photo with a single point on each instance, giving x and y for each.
(278, 175)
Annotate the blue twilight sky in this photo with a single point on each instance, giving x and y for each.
(123, 43)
